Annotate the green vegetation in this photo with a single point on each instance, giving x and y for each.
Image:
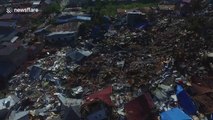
(53, 8)
(111, 8)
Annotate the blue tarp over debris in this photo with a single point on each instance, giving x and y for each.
(185, 101)
(174, 114)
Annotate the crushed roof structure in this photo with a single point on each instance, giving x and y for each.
(8, 102)
(138, 68)
(68, 101)
(79, 55)
(35, 73)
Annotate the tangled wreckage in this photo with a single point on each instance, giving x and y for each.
(124, 69)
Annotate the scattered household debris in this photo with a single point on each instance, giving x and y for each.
(129, 67)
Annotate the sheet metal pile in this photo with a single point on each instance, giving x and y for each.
(160, 72)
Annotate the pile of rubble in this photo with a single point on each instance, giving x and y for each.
(135, 74)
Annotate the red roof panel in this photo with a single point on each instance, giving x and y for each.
(139, 108)
(103, 95)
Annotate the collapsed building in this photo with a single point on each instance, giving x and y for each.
(117, 73)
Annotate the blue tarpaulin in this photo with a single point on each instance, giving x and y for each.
(185, 101)
(174, 114)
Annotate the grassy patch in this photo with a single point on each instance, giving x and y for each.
(111, 8)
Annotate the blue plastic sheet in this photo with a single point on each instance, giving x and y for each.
(185, 101)
(174, 114)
